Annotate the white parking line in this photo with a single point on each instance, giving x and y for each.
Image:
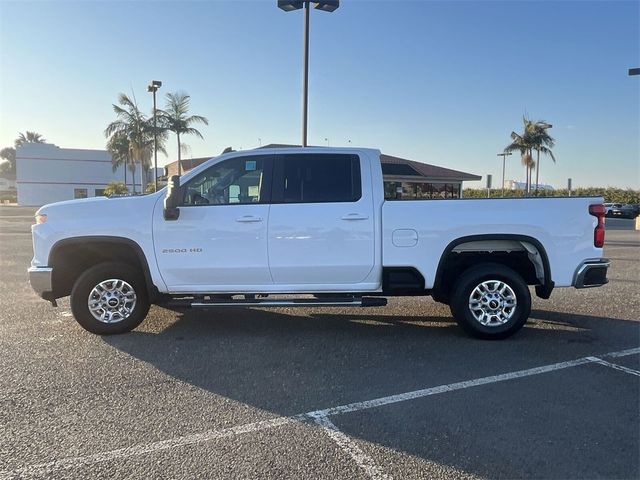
(623, 353)
(197, 438)
(364, 461)
(615, 366)
(46, 469)
(378, 402)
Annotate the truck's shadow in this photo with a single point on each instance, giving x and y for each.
(287, 363)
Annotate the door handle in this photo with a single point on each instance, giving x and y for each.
(355, 216)
(248, 219)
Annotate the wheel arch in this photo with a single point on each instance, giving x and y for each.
(69, 257)
(543, 290)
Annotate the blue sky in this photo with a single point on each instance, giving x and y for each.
(435, 81)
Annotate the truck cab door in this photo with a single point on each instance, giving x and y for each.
(321, 224)
(219, 241)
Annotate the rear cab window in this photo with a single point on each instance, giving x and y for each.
(317, 178)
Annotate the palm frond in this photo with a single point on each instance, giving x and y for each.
(192, 131)
(548, 152)
(196, 119)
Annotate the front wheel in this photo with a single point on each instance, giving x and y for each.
(490, 301)
(109, 298)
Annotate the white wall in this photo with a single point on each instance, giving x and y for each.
(46, 173)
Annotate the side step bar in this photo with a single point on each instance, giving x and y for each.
(294, 302)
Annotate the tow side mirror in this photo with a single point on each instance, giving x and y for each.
(172, 198)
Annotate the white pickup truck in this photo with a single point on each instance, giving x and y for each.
(310, 227)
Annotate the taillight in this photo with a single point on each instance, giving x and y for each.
(598, 210)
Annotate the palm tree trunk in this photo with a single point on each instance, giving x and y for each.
(125, 173)
(143, 179)
(179, 157)
(133, 177)
(530, 170)
(537, 172)
(526, 174)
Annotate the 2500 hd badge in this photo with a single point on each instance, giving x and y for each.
(181, 250)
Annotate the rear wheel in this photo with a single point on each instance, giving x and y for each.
(110, 298)
(490, 301)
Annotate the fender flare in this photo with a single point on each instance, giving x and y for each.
(152, 290)
(543, 291)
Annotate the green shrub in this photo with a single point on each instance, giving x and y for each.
(115, 188)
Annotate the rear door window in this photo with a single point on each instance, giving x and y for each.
(317, 178)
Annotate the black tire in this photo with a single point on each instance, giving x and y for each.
(467, 283)
(93, 277)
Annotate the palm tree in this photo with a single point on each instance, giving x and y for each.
(523, 143)
(132, 124)
(175, 118)
(118, 147)
(543, 142)
(29, 137)
(534, 137)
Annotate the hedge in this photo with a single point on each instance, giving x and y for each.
(611, 195)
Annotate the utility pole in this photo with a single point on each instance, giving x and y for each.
(288, 6)
(153, 87)
(503, 155)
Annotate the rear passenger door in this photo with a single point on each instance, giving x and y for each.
(321, 225)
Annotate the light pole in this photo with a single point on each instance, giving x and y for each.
(504, 155)
(153, 87)
(544, 126)
(288, 6)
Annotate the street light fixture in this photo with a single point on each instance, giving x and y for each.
(153, 87)
(288, 6)
(504, 155)
(634, 71)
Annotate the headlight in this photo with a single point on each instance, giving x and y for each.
(40, 218)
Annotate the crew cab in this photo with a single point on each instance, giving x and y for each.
(310, 227)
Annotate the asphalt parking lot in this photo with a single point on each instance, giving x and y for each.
(393, 392)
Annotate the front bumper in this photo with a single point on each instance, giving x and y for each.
(40, 280)
(591, 273)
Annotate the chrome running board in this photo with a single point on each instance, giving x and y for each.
(286, 303)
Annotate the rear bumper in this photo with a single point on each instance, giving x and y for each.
(40, 280)
(591, 273)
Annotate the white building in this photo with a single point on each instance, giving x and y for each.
(46, 173)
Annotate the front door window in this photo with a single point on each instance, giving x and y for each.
(235, 181)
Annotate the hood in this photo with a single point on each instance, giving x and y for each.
(94, 203)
